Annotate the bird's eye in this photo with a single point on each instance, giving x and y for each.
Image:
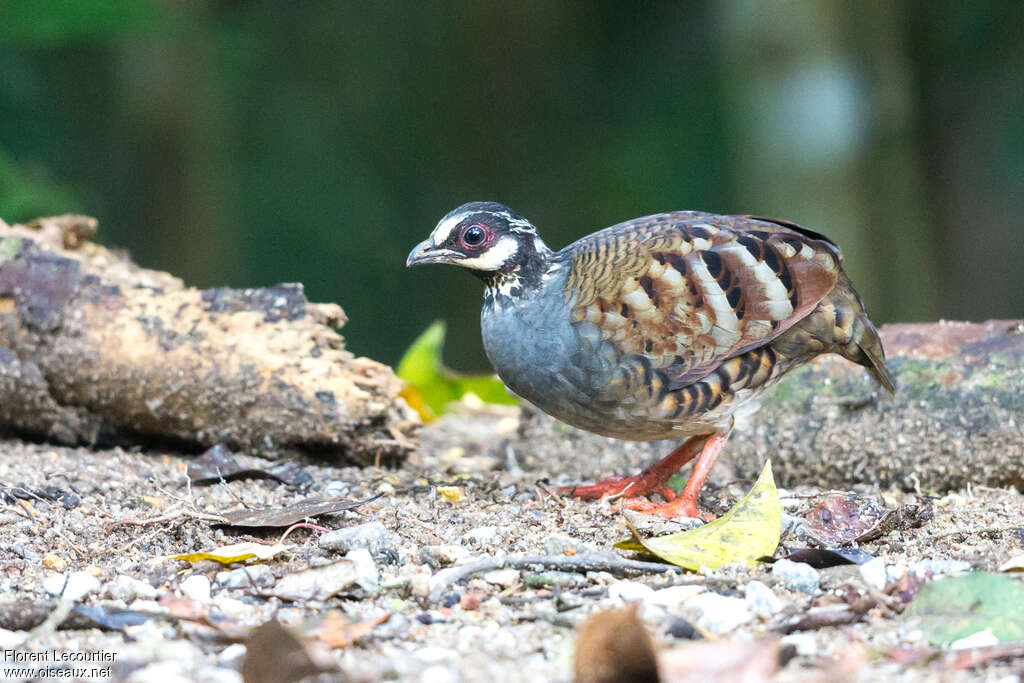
(474, 236)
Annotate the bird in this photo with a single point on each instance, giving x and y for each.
(668, 326)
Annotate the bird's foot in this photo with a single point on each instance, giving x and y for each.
(637, 486)
(652, 481)
(680, 507)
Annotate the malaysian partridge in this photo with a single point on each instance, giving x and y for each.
(657, 328)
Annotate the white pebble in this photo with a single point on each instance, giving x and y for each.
(804, 643)
(196, 587)
(761, 600)
(798, 576)
(629, 591)
(673, 596)
(79, 584)
(367, 574)
(483, 535)
(129, 588)
(502, 577)
(874, 573)
(718, 613)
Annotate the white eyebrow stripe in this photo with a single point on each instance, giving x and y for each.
(444, 229)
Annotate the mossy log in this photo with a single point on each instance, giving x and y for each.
(957, 417)
(95, 350)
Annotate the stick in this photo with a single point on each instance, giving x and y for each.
(587, 562)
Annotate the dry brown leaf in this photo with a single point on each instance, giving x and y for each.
(338, 631)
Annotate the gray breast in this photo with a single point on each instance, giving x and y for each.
(542, 357)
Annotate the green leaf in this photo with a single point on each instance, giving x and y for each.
(434, 386)
(749, 530)
(954, 608)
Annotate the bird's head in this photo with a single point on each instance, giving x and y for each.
(486, 238)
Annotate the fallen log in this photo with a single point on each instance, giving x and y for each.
(95, 350)
(957, 417)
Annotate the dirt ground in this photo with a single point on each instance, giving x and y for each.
(477, 488)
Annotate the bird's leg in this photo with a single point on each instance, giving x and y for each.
(686, 504)
(652, 480)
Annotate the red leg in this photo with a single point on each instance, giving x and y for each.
(649, 482)
(686, 504)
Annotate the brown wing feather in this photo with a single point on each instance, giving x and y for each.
(688, 290)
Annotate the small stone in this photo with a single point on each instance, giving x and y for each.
(55, 562)
(683, 630)
(470, 601)
(502, 577)
(895, 572)
(367, 574)
(560, 544)
(419, 584)
(232, 656)
(451, 494)
(447, 553)
(761, 600)
(11, 640)
(254, 576)
(873, 573)
(237, 611)
(196, 587)
(77, 585)
(674, 596)
(804, 643)
(128, 588)
(432, 654)
(798, 576)
(373, 536)
(318, 583)
(719, 614)
(438, 674)
(482, 535)
(630, 591)
(941, 567)
(336, 489)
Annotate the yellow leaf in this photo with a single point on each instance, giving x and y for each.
(237, 552)
(153, 502)
(452, 494)
(749, 530)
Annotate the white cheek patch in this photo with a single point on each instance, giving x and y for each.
(494, 257)
(444, 229)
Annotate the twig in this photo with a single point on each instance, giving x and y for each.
(551, 494)
(167, 517)
(586, 562)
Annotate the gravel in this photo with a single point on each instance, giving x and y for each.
(510, 624)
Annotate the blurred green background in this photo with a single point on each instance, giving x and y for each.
(252, 142)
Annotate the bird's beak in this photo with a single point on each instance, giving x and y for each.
(426, 252)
